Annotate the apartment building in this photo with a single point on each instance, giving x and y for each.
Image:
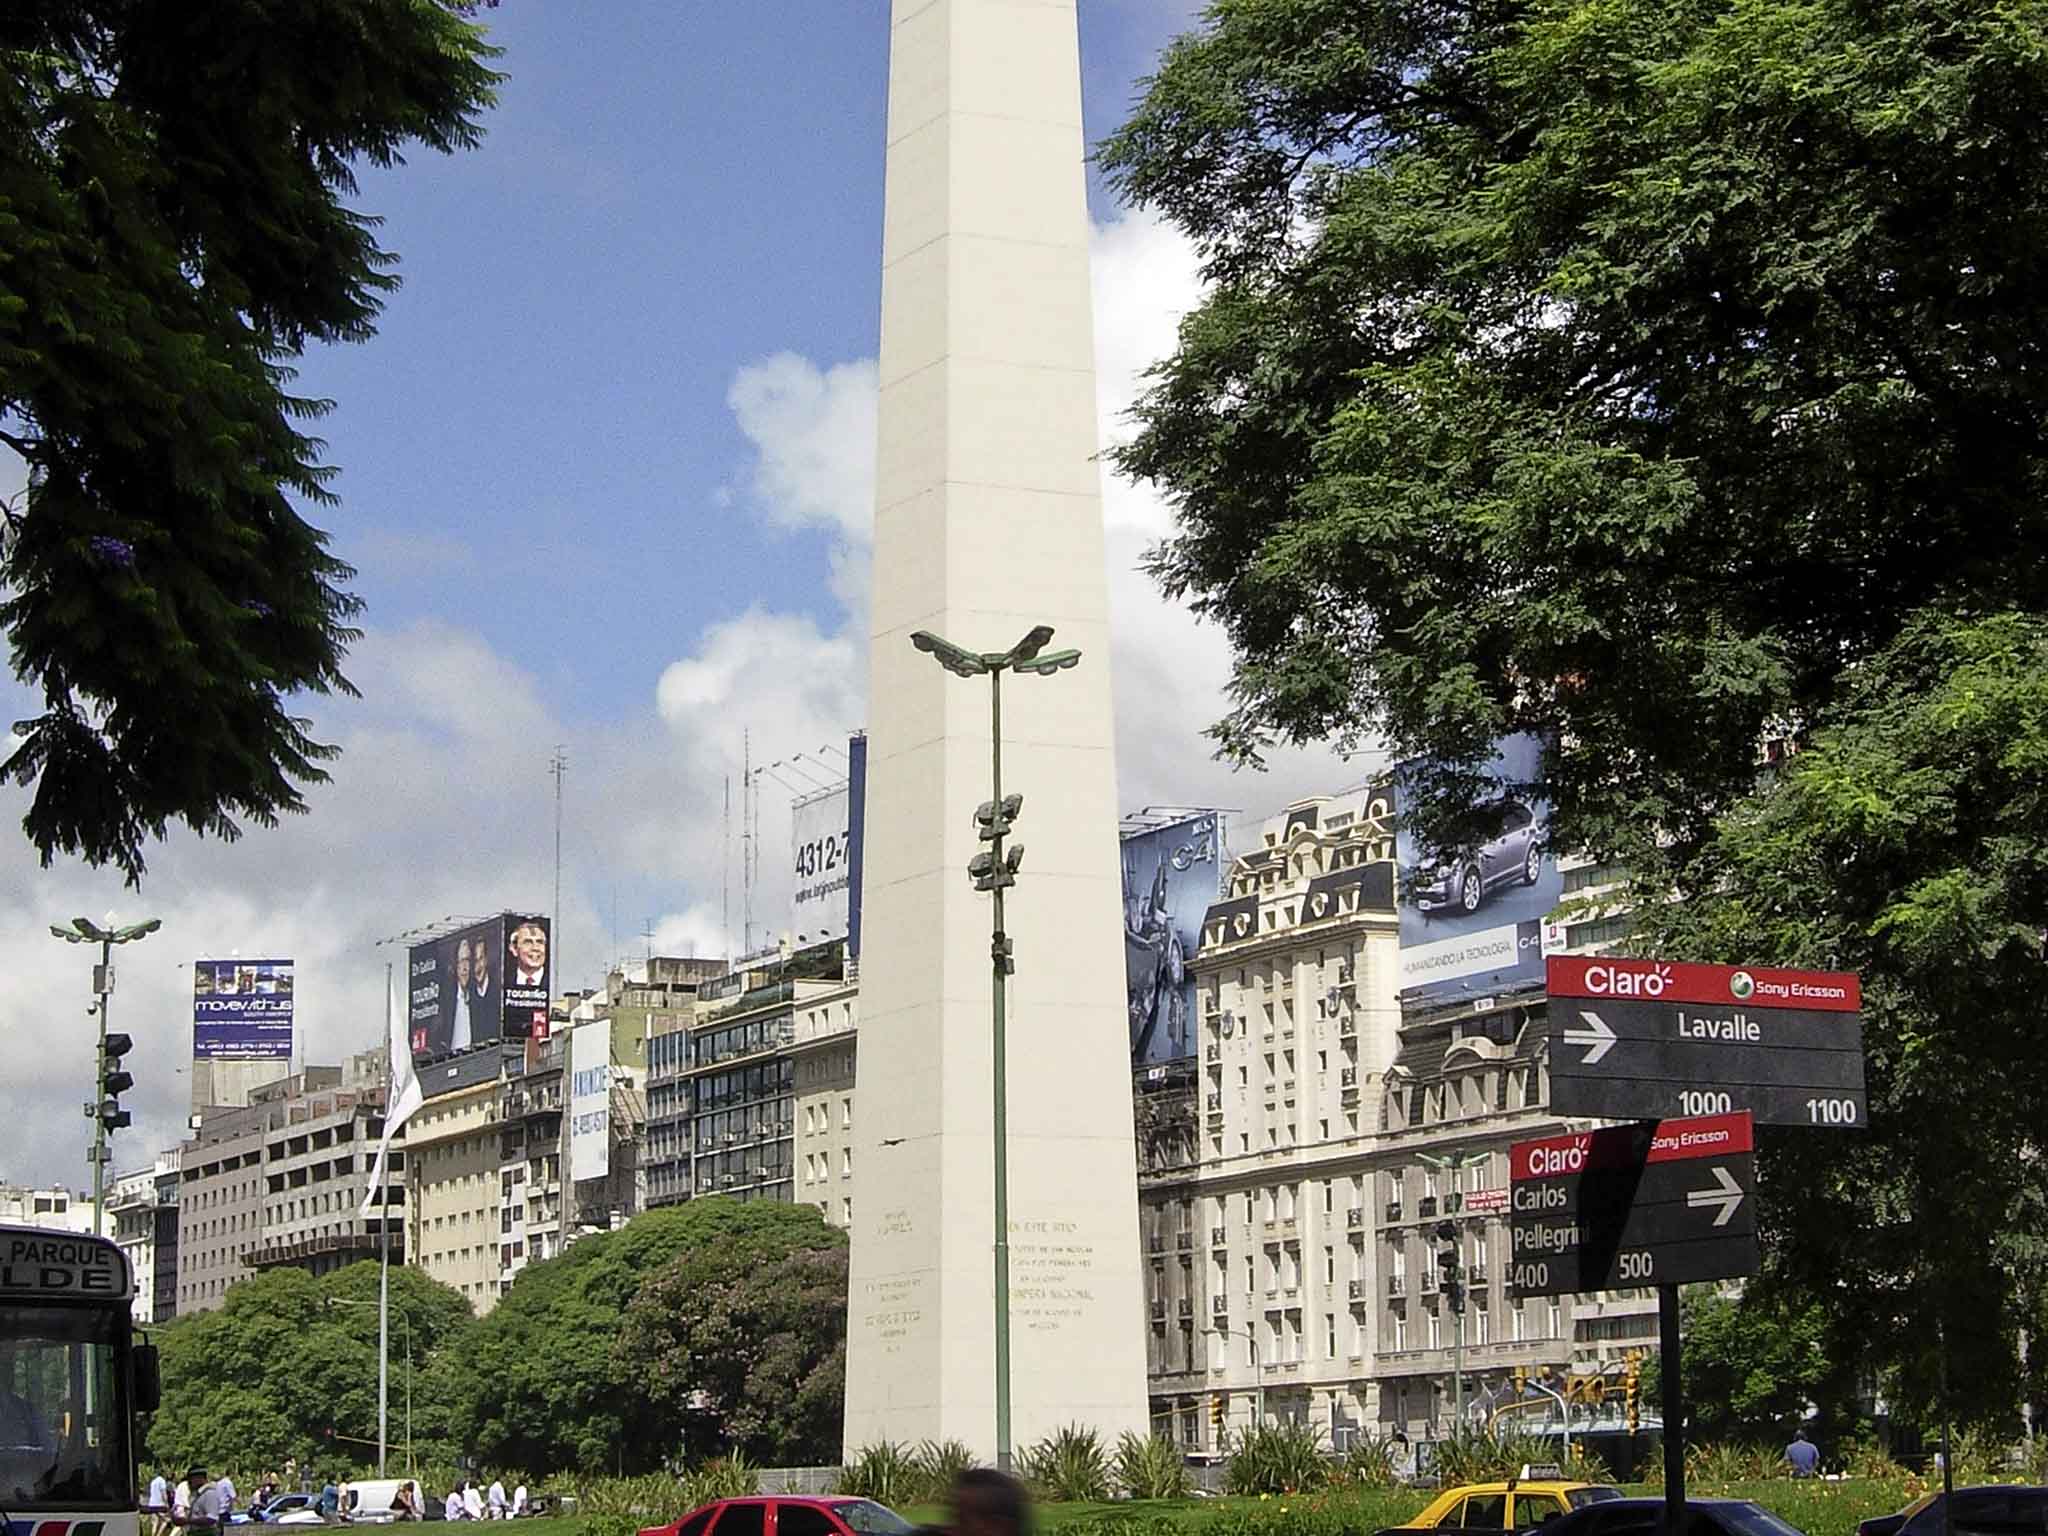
(23, 1205)
(318, 1159)
(822, 1056)
(454, 1170)
(1295, 1261)
(530, 1201)
(142, 1217)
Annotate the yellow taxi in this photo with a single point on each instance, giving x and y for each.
(1519, 1504)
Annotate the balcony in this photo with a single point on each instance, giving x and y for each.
(1187, 1306)
(1155, 1242)
(1355, 1218)
(1215, 1103)
(1397, 1285)
(1348, 1077)
(1219, 1237)
(1184, 1239)
(1219, 1306)
(1426, 1207)
(1347, 1028)
(1158, 1310)
(1393, 1210)
(1213, 1054)
(1477, 1278)
(1356, 1290)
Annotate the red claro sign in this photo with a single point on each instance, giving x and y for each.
(1671, 981)
(1562, 1157)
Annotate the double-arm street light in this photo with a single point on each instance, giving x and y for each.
(1451, 1258)
(991, 871)
(105, 1111)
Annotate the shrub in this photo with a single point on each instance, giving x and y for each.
(1372, 1462)
(1726, 1461)
(1586, 1466)
(1068, 1466)
(1150, 1467)
(939, 1465)
(1479, 1456)
(1277, 1458)
(727, 1477)
(884, 1472)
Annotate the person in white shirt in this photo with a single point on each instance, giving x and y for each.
(227, 1495)
(496, 1498)
(519, 1501)
(452, 1509)
(472, 1501)
(181, 1501)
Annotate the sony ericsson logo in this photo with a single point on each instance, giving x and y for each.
(1742, 986)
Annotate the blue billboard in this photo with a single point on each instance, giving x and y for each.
(1472, 916)
(242, 1010)
(1171, 876)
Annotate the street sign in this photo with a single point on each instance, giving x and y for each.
(1642, 1039)
(1664, 1203)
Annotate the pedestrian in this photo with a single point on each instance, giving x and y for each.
(403, 1506)
(328, 1504)
(519, 1501)
(472, 1500)
(226, 1485)
(1802, 1454)
(989, 1503)
(451, 1508)
(181, 1501)
(496, 1497)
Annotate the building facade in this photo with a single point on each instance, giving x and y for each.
(455, 1156)
(23, 1205)
(142, 1217)
(1340, 1147)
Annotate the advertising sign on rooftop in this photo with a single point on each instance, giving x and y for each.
(1471, 917)
(486, 982)
(1171, 875)
(590, 1100)
(242, 1010)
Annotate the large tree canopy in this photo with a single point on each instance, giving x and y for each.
(1668, 377)
(174, 228)
(1622, 368)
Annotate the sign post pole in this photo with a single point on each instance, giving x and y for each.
(1672, 1389)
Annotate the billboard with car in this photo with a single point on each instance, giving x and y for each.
(1472, 915)
(242, 1010)
(1171, 875)
(489, 981)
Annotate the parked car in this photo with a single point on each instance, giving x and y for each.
(1645, 1517)
(1995, 1509)
(1512, 854)
(1519, 1504)
(299, 1506)
(787, 1515)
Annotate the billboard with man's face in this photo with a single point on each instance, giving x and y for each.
(242, 1010)
(1171, 875)
(490, 981)
(1472, 915)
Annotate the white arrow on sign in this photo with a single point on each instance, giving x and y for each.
(1596, 1034)
(1728, 1196)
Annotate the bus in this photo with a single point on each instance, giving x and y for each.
(72, 1380)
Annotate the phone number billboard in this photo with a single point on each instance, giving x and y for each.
(242, 1010)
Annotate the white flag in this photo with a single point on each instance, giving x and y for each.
(405, 1093)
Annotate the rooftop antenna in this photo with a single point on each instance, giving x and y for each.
(558, 767)
(725, 876)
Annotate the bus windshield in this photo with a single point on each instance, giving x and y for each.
(64, 1412)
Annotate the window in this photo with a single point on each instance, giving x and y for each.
(846, 1113)
(696, 1524)
(1330, 1335)
(793, 1519)
(1486, 1512)
(1436, 1330)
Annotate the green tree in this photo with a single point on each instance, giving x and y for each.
(175, 227)
(741, 1345)
(544, 1386)
(1619, 368)
(1908, 841)
(1754, 1361)
(287, 1366)
(1665, 377)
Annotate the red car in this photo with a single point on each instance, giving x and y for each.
(788, 1515)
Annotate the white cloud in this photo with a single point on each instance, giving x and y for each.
(442, 803)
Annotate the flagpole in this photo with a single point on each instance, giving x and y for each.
(384, 1268)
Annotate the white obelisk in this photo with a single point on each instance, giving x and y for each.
(988, 521)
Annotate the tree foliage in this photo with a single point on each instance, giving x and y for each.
(287, 1366)
(742, 1346)
(1617, 368)
(1754, 1362)
(546, 1386)
(175, 226)
(1908, 841)
(1666, 377)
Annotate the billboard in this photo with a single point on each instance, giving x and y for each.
(242, 1010)
(590, 1100)
(825, 838)
(1171, 876)
(1472, 917)
(489, 981)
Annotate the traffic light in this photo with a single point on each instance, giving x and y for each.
(114, 1082)
(1632, 1389)
(1453, 1270)
(1521, 1381)
(1218, 1414)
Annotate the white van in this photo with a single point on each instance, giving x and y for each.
(370, 1501)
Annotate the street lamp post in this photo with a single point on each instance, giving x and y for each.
(1452, 1261)
(105, 1111)
(405, 1322)
(992, 871)
(1251, 1340)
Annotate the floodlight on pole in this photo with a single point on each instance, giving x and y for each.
(109, 1077)
(991, 870)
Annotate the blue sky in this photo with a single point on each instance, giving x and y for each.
(667, 192)
(606, 472)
